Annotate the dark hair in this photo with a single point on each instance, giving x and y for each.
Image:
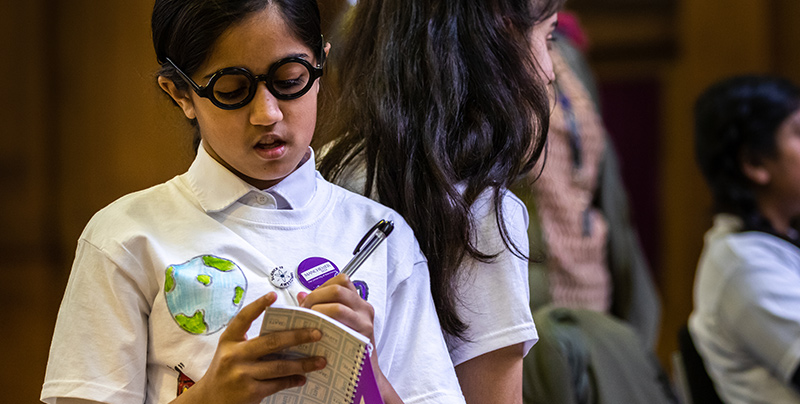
(186, 30)
(738, 118)
(434, 93)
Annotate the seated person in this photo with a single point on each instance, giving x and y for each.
(746, 318)
(592, 296)
(580, 221)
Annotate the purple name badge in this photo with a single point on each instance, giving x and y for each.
(315, 271)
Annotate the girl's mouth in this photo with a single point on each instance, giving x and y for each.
(270, 144)
(271, 149)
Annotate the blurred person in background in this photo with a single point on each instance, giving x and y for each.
(746, 318)
(592, 295)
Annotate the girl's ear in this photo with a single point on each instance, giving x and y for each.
(327, 49)
(754, 169)
(182, 98)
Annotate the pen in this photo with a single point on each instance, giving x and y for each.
(368, 244)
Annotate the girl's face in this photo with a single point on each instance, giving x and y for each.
(541, 35)
(265, 140)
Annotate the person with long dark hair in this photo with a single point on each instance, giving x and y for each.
(436, 108)
(169, 284)
(746, 317)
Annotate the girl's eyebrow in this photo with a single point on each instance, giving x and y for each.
(297, 55)
(301, 55)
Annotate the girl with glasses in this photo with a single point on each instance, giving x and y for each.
(438, 106)
(167, 289)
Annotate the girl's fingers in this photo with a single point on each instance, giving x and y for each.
(259, 366)
(339, 299)
(338, 311)
(301, 296)
(280, 340)
(270, 387)
(276, 368)
(342, 280)
(237, 328)
(333, 292)
(359, 321)
(338, 295)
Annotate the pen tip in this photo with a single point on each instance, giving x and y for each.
(387, 227)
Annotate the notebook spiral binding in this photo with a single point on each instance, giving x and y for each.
(355, 377)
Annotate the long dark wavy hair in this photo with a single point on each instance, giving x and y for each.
(738, 118)
(431, 94)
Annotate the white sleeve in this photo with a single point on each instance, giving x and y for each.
(412, 351)
(99, 347)
(494, 296)
(760, 306)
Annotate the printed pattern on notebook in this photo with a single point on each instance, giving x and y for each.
(344, 349)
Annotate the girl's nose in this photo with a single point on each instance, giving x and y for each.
(265, 110)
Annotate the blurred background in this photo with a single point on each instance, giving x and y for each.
(85, 123)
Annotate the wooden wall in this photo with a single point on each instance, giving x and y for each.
(84, 123)
(717, 38)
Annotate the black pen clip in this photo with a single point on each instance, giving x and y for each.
(384, 226)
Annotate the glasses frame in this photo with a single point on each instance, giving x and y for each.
(315, 72)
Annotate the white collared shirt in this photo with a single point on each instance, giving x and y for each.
(218, 188)
(746, 317)
(159, 273)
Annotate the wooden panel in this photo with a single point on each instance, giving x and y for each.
(119, 132)
(83, 124)
(620, 6)
(31, 288)
(717, 38)
(628, 38)
(33, 293)
(786, 38)
(26, 115)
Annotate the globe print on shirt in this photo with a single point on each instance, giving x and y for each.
(204, 293)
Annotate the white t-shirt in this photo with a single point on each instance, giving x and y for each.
(493, 297)
(746, 318)
(116, 339)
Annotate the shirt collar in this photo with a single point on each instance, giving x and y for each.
(217, 188)
(724, 224)
(298, 187)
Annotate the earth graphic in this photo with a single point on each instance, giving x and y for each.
(204, 293)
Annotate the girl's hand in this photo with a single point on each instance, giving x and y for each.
(238, 374)
(338, 298)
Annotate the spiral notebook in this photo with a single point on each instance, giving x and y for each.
(347, 379)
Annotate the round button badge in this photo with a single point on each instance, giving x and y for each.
(315, 271)
(281, 278)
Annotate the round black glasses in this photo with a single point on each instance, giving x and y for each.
(234, 87)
